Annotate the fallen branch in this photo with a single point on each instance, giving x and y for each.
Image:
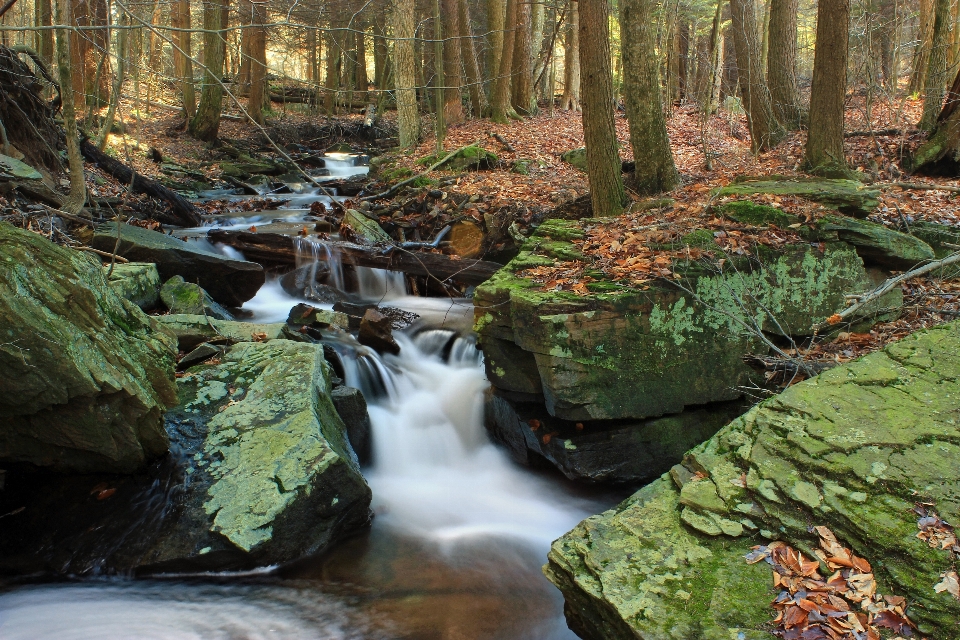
(886, 287)
(875, 132)
(919, 186)
(395, 188)
(105, 254)
(506, 145)
(6, 7)
(183, 213)
(274, 248)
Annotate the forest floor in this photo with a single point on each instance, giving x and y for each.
(552, 186)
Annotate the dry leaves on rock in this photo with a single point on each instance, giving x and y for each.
(843, 606)
(939, 535)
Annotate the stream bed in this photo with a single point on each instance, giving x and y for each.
(458, 538)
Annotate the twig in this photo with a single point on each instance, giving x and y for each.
(6, 7)
(105, 254)
(395, 188)
(506, 145)
(890, 283)
(70, 216)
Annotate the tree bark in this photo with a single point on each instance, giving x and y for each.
(500, 108)
(403, 17)
(361, 79)
(921, 53)
(940, 153)
(88, 53)
(782, 63)
(78, 187)
(683, 57)
(205, 125)
(182, 53)
(452, 63)
(730, 73)
(522, 89)
(496, 16)
(599, 131)
(570, 100)
(644, 103)
(43, 17)
(888, 34)
(824, 151)
(765, 130)
(259, 94)
(469, 55)
(334, 63)
(935, 81)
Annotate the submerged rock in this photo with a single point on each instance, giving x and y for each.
(138, 282)
(376, 332)
(624, 351)
(853, 449)
(180, 296)
(309, 282)
(261, 473)
(229, 281)
(86, 375)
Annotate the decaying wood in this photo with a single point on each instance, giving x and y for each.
(870, 296)
(503, 141)
(919, 186)
(182, 213)
(274, 248)
(875, 132)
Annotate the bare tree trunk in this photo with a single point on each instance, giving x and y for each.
(765, 131)
(88, 52)
(522, 90)
(709, 65)
(122, 53)
(500, 108)
(730, 75)
(824, 151)
(452, 64)
(362, 81)
(888, 34)
(78, 187)
(683, 56)
(599, 131)
(782, 63)
(921, 54)
(469, 54)
(334, 62)
(182, 53)
(246, 18)
(205, 125)
(496, 16)
(259, 95)
(403, 18)
(934, 84)
(570, 100)
(43, 17)
(654, 169)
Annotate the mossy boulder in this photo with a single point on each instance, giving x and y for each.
(180, 296)
(853, 449)
(138, 282)
(576, 157)
(229, 281)
(472, 158)
(191, 330)
(627, 351)
(847, 196)
(366, 230)
(86, 374)
(260, 473)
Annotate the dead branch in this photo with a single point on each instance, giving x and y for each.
(919, 186)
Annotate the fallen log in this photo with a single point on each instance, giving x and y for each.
(182, 213)
(273, 248)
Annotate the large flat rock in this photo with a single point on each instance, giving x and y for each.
(260, 473)
(854, 449)
(229, 281)
(86, 375)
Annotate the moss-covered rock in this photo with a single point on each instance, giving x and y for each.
(848, 196)
(367, 230)
(758, 215)
(576, 157)
(229, 281)
(180, 296)
(138, 282)
(191, 330)
(853, 449)
(627, 351)
(877, 243)
(86, 375)
(470, 158)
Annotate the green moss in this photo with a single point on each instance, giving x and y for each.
(760, 215)
(849, 196)
(702, 238)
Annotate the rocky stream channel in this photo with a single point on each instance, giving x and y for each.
(337, 458)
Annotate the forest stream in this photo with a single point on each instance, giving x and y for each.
(459, 533)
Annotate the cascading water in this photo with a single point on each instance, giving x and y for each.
(455, 548)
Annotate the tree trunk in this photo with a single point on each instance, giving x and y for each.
(452, 63)
(765, 131)
(122, 55)
(88, 53)
(334, 62)
(940, 154)
(824, 150)
(522, 89)
(259, 91)
(182, 53)
(403, 17)
(381, 53)
(888, 35)
(654, 170)
(921, 54)
(782, 63)
(709, 65)
(935, 81)
(570, 100)
(43, 17)
(469, 55)
(362, 80)
(496, 16)
(246, 19)
(730, 75)
(683, 57)
(205, 125)
(78, 187)
(500, 108)
(599, 131)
